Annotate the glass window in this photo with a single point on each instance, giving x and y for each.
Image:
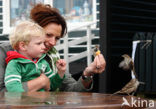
(20, 10)
(76, 12)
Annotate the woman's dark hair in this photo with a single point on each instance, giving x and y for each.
(45, 14)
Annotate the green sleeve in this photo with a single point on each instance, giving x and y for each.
(13, 77)
(55, 80)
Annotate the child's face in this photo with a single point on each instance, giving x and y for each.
(35, 48)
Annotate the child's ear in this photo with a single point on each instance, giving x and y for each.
(22, 46)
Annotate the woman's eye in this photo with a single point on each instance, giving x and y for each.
(48, 35)
(39, 43)
(57, 38)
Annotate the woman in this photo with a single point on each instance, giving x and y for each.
(55, 27)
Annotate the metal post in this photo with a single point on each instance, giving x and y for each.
(88, 45)
(66, 46)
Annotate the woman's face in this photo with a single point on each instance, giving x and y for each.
(53, 34)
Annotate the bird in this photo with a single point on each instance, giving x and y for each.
(96, 50)
(127, 63)
(132, 85)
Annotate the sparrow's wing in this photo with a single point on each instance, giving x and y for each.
(126, 63)
(130, 86)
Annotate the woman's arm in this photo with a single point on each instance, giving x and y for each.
(97, 66)
(70, 84)
(4, 47)
(2, 68)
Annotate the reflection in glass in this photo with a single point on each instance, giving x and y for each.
(75, 10)
(20, 10)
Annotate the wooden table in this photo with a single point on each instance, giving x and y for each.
(63, 100)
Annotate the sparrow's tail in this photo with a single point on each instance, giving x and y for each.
(115, 93)
(141, 82)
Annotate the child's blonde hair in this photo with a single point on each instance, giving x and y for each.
(24, 32)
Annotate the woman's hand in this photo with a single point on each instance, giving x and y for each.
(61, 66)
(97, 66)
(46, 81)
(38, 83)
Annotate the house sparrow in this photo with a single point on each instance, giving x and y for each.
(127, 63)
(132, 85)
(96, 53)
(96, 50)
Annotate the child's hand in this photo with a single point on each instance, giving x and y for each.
(61, 66)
